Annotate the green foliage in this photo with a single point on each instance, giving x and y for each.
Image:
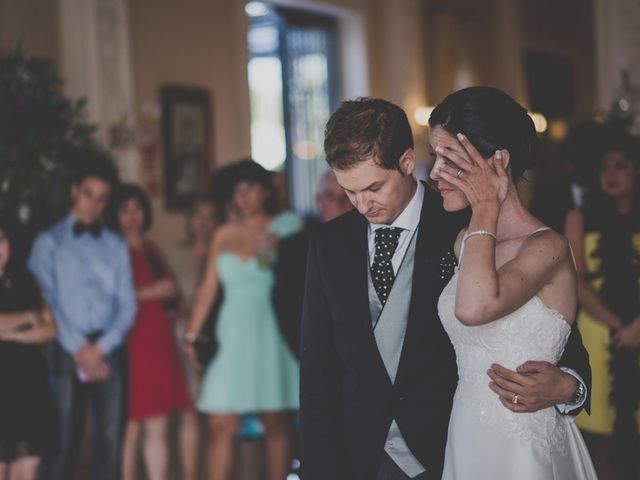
(42, 136)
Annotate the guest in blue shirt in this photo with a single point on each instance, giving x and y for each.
(85, 275)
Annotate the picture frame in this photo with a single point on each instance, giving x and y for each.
(186, 142)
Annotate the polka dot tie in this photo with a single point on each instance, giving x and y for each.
(382, 275)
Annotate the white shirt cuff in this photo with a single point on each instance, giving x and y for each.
(569, 407)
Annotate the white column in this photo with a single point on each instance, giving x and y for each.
(78, 59)
(399, 67)
(96, 64)
(617, 36)
(509, 50)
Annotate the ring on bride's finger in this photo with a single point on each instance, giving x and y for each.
(515, 400)
(459, 173)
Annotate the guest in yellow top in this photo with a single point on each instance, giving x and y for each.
(605, 236)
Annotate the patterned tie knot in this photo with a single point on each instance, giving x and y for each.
(386, 240)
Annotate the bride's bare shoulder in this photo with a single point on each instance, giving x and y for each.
(546, 242)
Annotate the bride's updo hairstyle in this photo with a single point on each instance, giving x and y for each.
(491, 120)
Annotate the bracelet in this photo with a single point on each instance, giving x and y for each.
(190, 337)
(478, 233)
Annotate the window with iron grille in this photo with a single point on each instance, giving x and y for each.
(293, 84)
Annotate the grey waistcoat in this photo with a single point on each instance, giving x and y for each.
(390, 325)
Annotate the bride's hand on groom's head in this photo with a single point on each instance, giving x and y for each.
(534, 386)
(482, 181)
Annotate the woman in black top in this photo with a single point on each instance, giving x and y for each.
(27, 409)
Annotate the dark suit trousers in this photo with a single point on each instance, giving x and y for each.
(390, 471)
(106, 399)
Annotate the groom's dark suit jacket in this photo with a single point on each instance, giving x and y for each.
(347, 398)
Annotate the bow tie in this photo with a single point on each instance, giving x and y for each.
(94, 228)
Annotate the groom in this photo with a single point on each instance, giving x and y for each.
(378, 372)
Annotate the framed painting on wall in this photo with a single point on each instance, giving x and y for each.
(186, 140)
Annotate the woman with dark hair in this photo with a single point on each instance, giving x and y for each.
(605, 235)
(512, 297)
(157, 385)
(27, 408)
(253, 370)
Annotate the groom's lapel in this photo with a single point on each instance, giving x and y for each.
(420, 320)
(356, 283)
(355, 269)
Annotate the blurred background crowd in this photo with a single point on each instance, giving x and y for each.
(162, 167)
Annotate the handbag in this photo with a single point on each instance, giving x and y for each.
(206, 344)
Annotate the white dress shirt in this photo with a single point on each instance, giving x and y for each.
(408, 221)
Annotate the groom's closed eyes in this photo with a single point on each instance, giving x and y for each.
(374, 187)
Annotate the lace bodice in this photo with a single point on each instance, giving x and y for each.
(532, 332)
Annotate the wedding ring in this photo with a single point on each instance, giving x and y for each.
(515, 400)
(459, 173)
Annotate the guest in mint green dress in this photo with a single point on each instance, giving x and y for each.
(253, 370)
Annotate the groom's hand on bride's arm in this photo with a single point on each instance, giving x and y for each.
(537, 385)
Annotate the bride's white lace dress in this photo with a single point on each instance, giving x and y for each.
(488, 441)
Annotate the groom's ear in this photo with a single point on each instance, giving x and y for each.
(407, 162)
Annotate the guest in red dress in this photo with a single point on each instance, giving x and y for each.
(157, 383)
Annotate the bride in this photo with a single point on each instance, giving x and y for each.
(513, 296)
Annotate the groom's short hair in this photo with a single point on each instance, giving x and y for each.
(367, 128)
